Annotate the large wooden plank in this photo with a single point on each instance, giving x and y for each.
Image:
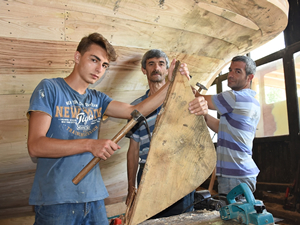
(10, 217)
(164, 13)
(15, 108)
(59, 55)
(122, 33)
(202, 17)
(30, 21)
(24, 81)
(199, 217)
(199, 49)
(115, 81)
(15, 189)
(181, 155)
(13, 130)
(22, 53)
(45, 55)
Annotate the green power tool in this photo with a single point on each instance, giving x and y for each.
(250, 211)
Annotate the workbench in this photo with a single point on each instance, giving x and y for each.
(191, 218)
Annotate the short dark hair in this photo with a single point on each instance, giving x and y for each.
(154, 53)
(98, 39)
(250, 64)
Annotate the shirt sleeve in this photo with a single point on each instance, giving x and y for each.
(224, 102)
(42, 98)
(105, 102)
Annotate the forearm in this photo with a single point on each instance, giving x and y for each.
(55, 148)
(132, 163)
(39, 145)
(154, 101)
(131, 175)
(206, 97)
(123, 110)
(212, 123)
(209, 101)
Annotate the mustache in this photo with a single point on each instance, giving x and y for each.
(156, 72)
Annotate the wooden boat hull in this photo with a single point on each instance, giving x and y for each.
(38, 39)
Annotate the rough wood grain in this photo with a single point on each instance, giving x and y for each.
(181, 155)
(14, 111)
(200, 217)
(16, 187)
(15, 158)
(24, 21)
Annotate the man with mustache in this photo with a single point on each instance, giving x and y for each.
(155, 64)
(240, 114)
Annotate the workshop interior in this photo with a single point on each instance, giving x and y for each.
(38, 39)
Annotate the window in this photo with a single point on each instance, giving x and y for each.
(269, 85)
(297, 71)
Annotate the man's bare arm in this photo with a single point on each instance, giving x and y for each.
(200, 106)
(123, 110)
(212, 123)
(41, 146)
(132, 166)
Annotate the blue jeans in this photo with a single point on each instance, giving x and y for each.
(90, 213)
(225, 184)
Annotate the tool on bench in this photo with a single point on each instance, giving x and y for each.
(250, 212)
(201, 87)
(136, 118)
(204, 200)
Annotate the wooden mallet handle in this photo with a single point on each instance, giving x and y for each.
(115, 139)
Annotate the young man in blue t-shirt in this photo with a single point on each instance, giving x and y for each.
(64, 118)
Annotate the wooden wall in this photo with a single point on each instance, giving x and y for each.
(38, 39)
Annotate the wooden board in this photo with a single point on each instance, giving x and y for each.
(181, 155)
(199, 217)
(24, 21)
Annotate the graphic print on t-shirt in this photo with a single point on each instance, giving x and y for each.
(84, 116)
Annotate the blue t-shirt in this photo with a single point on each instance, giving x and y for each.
(73, 116)
(140, 133)
(240, 114)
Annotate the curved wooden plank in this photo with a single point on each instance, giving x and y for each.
(181, 155)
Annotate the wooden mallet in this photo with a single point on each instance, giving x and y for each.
(136, 118)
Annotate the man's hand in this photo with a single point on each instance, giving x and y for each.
(103, 148)
(198, 106)
(182, 69)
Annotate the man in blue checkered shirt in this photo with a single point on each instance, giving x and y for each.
(155, 64)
